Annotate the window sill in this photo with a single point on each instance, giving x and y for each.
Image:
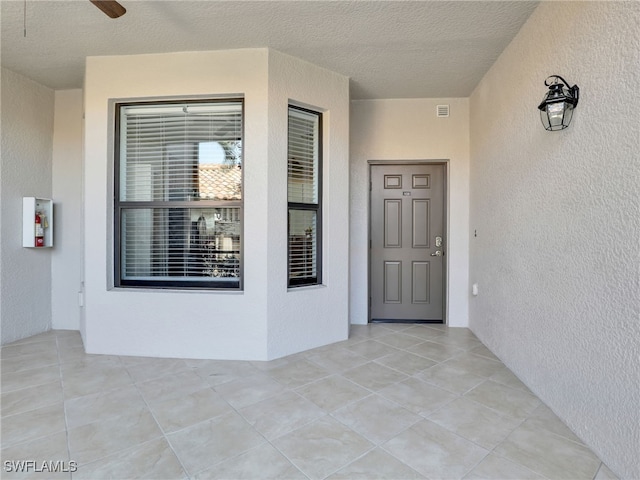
(170, 290)
(305, 287)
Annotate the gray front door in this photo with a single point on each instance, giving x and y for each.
(407, 242)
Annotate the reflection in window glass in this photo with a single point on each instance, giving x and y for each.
(199, 243)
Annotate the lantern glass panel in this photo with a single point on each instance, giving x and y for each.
(568, 113)
(556, 113)
(556, 116)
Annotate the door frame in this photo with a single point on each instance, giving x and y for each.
(445, 265)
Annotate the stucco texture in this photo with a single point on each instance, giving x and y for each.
(264, 320)
(409, 129)
(27, 139)
(557, 216)
(306, 317)
(66, 258)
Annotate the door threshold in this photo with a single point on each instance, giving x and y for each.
(403, 320)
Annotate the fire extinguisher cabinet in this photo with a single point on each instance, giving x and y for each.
(37, 222)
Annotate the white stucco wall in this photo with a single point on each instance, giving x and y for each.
(306, 317)
(408, 129)
(557, 256)
(25, 171)
(66, 258)
(225, 325)
(162, 322)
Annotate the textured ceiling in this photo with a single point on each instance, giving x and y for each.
(389, 49)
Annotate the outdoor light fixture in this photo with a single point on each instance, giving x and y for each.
(556, 109)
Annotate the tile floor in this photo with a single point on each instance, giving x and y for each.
(392, 402)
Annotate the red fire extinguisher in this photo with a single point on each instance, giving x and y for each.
(39, 230)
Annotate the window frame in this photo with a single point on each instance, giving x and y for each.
(181, 283)
(301, 206)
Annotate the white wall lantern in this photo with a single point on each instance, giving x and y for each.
(556, 109)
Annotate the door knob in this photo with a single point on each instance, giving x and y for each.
(438, 253)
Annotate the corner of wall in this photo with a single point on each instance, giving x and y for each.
(67, 182)
(326, 307)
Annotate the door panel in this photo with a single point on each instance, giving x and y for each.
(392, 223)
(392, 282)
(406, 266)
(420, 282)
(420, 223)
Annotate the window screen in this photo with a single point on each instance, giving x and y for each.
(178, 199)
(304, 194)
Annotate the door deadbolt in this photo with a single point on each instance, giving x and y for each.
(438, 242)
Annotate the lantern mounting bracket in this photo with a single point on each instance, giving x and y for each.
(573, 91)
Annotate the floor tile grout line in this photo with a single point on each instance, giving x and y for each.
(288, 459)
(52, 342)
(286, 388)
(53, 402)
(164, 434)
(400, 371)
(489, 451)
(378, 444)
(235, 410)
(433, 411)
(482, 405)
(485, 379)
(595, 476)
(554, 434)
(266, 440)
(30, 439)
(520, 424)
(497, 412)
(119, 452)
(23, 372)
(351, 462)
(370, 392)
(438, 362)
(44, 365)
(492, 452)
(101, 392)
(288, 431)
(463, 438)
(518, 390)
(113, 453)
(326, 414)
(64, 406)
(388, 452)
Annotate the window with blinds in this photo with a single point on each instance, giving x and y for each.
(178, 194)
(304, 193)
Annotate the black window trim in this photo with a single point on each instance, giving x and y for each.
(317, 280)
(118, 206)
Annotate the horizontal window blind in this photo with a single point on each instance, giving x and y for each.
(304, 193)
(179, 194)
(303, 157)
(303, 246)
(163, 243)
(161, 148)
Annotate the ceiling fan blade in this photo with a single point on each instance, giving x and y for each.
(110, 7)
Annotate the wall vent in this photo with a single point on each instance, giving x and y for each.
(442, 110)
